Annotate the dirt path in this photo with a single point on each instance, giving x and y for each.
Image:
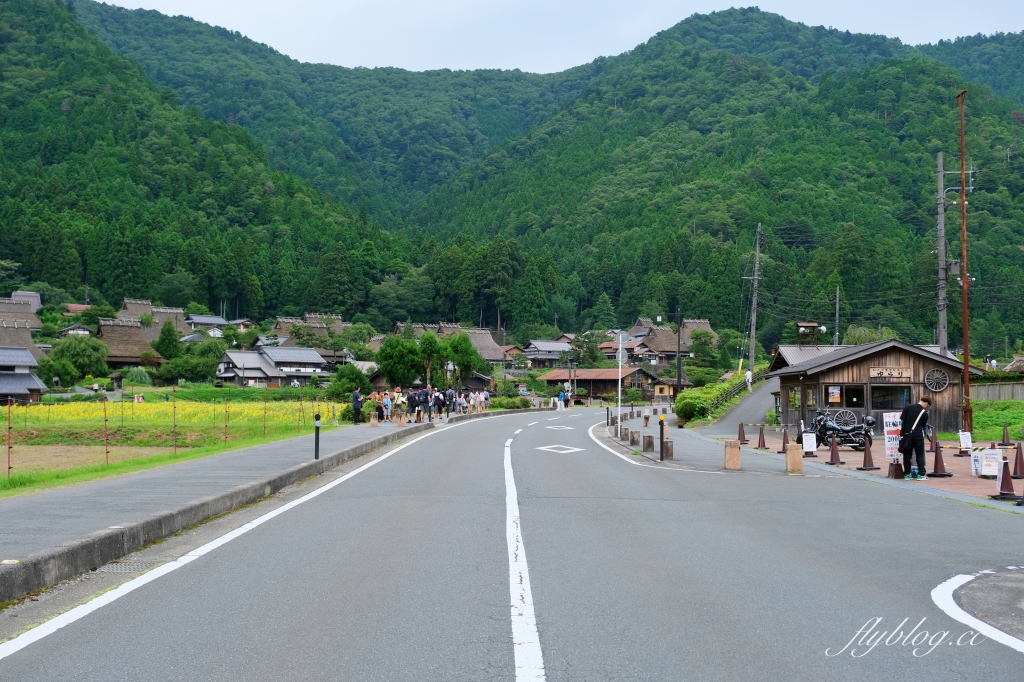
(50, 457)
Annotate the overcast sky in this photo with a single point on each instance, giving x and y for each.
(544, 35)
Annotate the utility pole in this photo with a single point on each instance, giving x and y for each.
(835, 337)
(964, 273)
(679, 345)
(943, 325)
(753, 300)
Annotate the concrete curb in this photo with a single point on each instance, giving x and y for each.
(52, 565)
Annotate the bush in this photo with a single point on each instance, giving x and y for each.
(138, 377)
(345, 381)
(689, 406)
(502, 403)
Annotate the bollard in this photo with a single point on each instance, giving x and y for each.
(647, 420)
(794, 459)
(316, 436)
(623, 433)
(648, 443)
(634, 438)
(666, 449)
(661, 437)
(732, 454)
(373, 419)
(607, 416)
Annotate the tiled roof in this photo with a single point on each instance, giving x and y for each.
(215, 320)
(549, 346)
(248, 360)
(21, 383)
(850, 353)
(19, 357)
(588, 374)
(278, 354)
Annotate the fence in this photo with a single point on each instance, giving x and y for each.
(735, 391)
(1014, 391)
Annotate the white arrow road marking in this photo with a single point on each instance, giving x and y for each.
(525, 638)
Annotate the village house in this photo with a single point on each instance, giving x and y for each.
(546, 353)
(298, 365)
(249, 368)
(605, 382)
(34, 300)
(19, 310)
(481, 339)
(636, 352)
(17, 382)
(16, 334)
(126, 345)
(135, 308)
(75, 309)
(74, 330)
(869, 379)
(662, 341)
(213, 324)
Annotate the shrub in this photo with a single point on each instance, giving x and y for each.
(689, 406)
(139, 377)
(502, 403)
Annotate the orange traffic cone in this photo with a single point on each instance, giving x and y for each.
(869, 463)
(834, 458)
(1018, 463)
(742, 437)
(938, 466)
(1005, 443)
(1005, 484)
(785, 441)
(760, 440)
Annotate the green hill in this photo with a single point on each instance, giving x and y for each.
(996, 60)
(386, 135)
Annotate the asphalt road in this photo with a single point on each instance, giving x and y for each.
(750, 410)
(402, 572)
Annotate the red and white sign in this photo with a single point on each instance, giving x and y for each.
(892, 423)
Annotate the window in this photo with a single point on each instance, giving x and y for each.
(854, 397)
(793, 397)
(889, 397)
(811, 397)
(834, 395)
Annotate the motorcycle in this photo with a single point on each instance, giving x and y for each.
(845, 428)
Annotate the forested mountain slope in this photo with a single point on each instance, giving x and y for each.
(996, 61)
(385, 134)
(650, 185)
(105, 181)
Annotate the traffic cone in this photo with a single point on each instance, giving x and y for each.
(760, 440)
(938, 466)
(935, 442)
(869, 464)
(834, 458)
(1005, 485)
(1018, 463)
(785, 441)
(1006, 437)
(742, 437)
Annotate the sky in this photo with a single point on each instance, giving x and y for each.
(544, 35)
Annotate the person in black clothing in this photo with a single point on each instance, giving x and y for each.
(357, 406)
(918, 412)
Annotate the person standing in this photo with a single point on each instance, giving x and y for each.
(439, 403)
(387, 405)
(913, 420)
(750, 381)
(357, 405)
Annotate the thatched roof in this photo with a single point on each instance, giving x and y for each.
(332, 321)
(15, 333)
(124, 340)
(21, 310)
(133, 307)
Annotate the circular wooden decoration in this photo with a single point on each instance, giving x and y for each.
(845, 418)
(936, 380)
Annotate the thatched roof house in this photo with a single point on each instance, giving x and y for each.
(21, 310)
(125, 342)
(16, 334)
(333, 322)
(135, 308)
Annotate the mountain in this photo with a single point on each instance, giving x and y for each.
(996, 60)
(382, 135)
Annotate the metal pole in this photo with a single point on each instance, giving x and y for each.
(264, 413)
(836, 335)
(316, 437)
(679, 366)
(661, 433)
(753, 300)
(174, 411)
(225, 420)
(618, 387)
(943, 324)
(8, 436)
(106, 438)
(964, 276)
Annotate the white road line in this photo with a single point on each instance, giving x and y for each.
(525, 639)
(518, 431)
(943, 598)
(621, 456)
(532, 423)
(49, 627)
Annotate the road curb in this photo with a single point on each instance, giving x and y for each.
(50, 566)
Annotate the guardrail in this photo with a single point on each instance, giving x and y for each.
(735, 391)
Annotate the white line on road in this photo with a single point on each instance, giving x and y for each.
(943, 598)
(49, 627)
(518, 431)
(532, 423)
(525, 639)
(590, 431)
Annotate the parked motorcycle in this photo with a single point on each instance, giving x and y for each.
(845, 427)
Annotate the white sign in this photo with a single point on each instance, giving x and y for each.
(892, 422)
(810, 441)
(889, 372)
(965, 440)
(986, 462)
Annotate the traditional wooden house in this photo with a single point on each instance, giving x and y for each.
(546, 353)
(606, 381)
(74, 330)
(249, 368)
(16, 334)
(298, 365)
(33, 298)
(211, 323)
(126, 345)
(330, 321)
(20, 310)
(17, 382)
(870, 379)
(135, 308)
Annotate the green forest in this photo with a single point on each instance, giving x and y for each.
(158, 157)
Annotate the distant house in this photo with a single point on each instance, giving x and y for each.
(376, 342)
(193, 338)
(481, 339)
(332, 322)
(33, 298)
(297, 364)
(636, 352)
(17, 382)
(19, 310)
(663, 341)
(269, 340)
(568, 338)
(135, 308)
(606, 381)
(242, 324)
(125, 343)
(16, 334)
(372, 373)
(545, 353)
(74, 330)
(75, 309)
(207, 322)
(249, 368)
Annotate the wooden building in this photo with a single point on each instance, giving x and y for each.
(126, 344)
(868, 379)
(606, 381)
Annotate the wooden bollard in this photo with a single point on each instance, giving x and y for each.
(373, 420)
(623, 433)
(648, 443)
(794, 458)
(668, 449)
(634, 438)
(732, 454)
(647, 420)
